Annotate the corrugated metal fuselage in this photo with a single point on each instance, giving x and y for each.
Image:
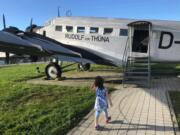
(108, 48)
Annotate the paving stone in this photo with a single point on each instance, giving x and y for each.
(136, 111)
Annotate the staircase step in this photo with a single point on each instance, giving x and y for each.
(137, 58)
(138, 61)
(136, 77)
(138, 65)
(130, 58)
(142, 65)
(136, 72)
(137, 83)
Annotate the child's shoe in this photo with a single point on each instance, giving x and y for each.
(97, 127)
(108, 119)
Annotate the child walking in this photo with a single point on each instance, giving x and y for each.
(101, 102)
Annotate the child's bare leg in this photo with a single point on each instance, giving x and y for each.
(96, 121)
(97, 113)
(106, 116)
(106, 113)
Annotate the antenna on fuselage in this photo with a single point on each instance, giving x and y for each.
(58, 11)
(69, 13)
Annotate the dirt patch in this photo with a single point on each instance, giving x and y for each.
(81, 78)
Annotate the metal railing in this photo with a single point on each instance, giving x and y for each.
(127, 53)
(149, 57)
(125, 58)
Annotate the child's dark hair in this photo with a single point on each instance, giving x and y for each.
(99, 82)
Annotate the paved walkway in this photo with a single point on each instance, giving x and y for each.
(135, 111)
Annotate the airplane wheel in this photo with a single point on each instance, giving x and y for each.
(53, 71)
(84, 67)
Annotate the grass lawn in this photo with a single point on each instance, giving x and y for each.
(165, 69)
(175, 98)
(42, 109)
(38, 109)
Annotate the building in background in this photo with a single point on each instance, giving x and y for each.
(16, 59)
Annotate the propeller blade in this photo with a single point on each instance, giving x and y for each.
(31, 22)
(6, 53)
(4, 21)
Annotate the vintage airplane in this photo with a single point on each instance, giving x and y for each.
(87, 40)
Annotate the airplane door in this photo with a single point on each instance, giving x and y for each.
(140, 41)
(139, 33)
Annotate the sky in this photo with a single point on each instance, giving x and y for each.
(19, 12)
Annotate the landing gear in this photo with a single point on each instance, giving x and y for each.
(84, 67)
(53, 71)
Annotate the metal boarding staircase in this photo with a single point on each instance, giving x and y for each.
(136, 69)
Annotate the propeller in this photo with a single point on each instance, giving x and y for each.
(32, 27)
(6, 53)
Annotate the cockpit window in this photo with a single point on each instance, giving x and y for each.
(80, 29)
(58, 28)
(94, 30)
(123, 32)
(69, 28)
(107, 31)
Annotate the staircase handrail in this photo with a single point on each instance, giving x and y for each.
(125, 54)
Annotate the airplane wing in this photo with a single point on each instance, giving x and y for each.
(31, 44)
(55, 47)
(11, 43)
(19, 42)
(49, 45)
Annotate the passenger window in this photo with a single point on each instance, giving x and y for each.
(69, 28)
(80, 29)
(58, 28)
(107, 31)
(123, 32)
(94, 30)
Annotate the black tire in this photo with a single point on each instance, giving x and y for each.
(84, 67)
(53, 71)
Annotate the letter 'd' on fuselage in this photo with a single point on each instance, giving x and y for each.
(166, 40)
